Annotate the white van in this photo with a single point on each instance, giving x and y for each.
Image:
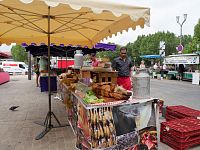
(14, 67)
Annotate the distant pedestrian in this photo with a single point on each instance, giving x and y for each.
(181, 69)
(123, 65)
(155, 66)
(37, 72)
(142, 65)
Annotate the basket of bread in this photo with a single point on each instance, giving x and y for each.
(110, 90)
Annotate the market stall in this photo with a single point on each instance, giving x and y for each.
(190, 61)
(69, 22)
(104, 115)
(154, 73)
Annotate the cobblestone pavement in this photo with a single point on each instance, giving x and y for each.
(17, 128)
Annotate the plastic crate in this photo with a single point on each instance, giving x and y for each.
(183, 111)
(178, 145)
(171, 117)
(181, 140)
(181, 128)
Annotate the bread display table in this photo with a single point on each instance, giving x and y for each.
(113, 125)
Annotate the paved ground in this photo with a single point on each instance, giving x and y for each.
(175, 92)
(17, 130)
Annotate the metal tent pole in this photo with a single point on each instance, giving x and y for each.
(47, 123)
(66, 63)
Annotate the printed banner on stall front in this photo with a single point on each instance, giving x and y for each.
(182, 60)
(125, 127)
(133, 122)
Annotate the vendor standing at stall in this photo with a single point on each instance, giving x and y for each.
(95, 62)
(123, 65)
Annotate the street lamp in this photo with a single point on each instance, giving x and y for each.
(181, 25)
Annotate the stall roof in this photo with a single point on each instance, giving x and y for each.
(62, 50)
(4, 55)
(182, 59)
(179, 55)
(150, 56)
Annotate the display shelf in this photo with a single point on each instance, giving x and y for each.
(115, 103)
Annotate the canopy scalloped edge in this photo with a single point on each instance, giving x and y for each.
(139, 16)
(99, 6)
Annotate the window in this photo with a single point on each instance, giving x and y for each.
(21, 66)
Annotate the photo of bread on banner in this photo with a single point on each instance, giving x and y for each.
(110, 90)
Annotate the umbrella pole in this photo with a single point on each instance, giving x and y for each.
(47, 123)
(66, 62)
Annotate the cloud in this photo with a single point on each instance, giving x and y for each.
(163, 18)
(6, 48)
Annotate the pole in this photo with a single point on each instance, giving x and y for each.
(181, 34)
(49, 78)
(47, 123)
(29, 65)
(181, 25)
(66, 63)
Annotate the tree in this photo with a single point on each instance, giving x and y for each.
(109, 54)
(191, 46)
(197, 31)
(19, 53)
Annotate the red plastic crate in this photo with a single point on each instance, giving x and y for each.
(177, 114)
(183, 111)
(178, 145)
(181, 140)
(173, 115)
(182, 128)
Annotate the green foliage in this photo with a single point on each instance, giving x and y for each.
(191, 47)
(197, 31)
(149, 45)
(19, 53)
(110, 54)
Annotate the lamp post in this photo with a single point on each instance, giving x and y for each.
(181, 25)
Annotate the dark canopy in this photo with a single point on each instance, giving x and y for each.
(61, 50)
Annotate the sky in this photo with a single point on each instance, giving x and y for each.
(162, 18)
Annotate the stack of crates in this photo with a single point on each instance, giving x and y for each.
(178, 112)
(181, 134)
